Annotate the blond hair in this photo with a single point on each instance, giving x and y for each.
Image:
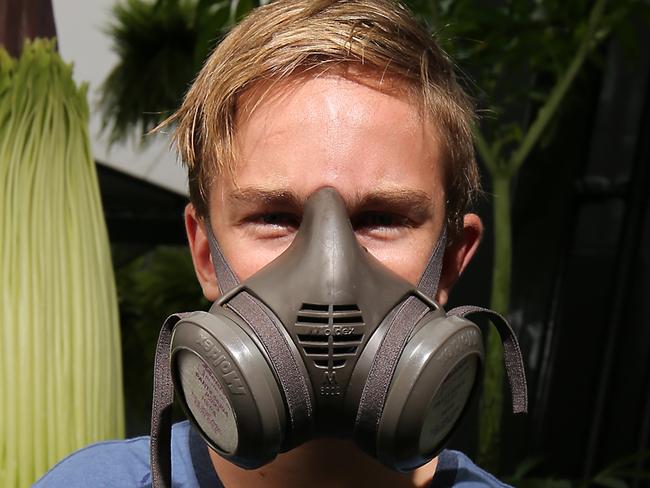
(286, 37)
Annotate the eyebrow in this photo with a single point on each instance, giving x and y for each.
(253, 196)
(415, 203)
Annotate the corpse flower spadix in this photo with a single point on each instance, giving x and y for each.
(60, 360)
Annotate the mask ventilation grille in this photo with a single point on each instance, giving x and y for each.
(329, 334)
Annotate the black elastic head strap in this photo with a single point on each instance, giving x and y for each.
(267, 327)
(511, 354)
(163, 387)
(161, 408)
(409, 313)
(373, 396)
(293, 382)
(226, 278)
(430, 278)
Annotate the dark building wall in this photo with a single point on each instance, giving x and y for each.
(581, 289)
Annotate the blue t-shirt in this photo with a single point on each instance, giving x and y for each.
(126, 464)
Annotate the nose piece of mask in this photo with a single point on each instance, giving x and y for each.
(323, 341)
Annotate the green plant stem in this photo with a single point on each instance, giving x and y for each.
(492, 400)
(502, 174)
(500, 299)
(546, 113)
(487, 155)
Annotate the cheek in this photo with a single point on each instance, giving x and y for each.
(407, 259)
(407, 256)
(247, 257)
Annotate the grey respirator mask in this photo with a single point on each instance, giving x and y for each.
(323, 341)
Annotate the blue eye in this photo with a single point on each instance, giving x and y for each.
(273, 224)
(380, 220)
(279, 219)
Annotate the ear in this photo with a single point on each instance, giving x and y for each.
(458, 255)
(200, 249)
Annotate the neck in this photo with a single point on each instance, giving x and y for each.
(312, 465)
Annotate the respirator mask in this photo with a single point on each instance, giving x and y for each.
(323, 341)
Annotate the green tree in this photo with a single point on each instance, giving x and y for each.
(523, 56)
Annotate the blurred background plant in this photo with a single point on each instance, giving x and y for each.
(522, 58)
(151, 287)
(615, 475)
(161, 46)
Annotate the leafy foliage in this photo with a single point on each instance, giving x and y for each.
(154, 42)
(161, 46)
(618, 474)
(516, 51)
(525, 55)
(150, 288)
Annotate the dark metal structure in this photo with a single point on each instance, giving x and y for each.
(138, 212)
(581, 295)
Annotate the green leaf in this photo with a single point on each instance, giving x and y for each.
(244, 7)
(156, 45)
(526, 466)
(539, 482)
(637, 457)
(610, 482)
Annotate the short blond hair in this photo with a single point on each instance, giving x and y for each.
(287, 37)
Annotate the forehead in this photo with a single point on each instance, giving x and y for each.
(359, 133)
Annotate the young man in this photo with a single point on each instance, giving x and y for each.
(304, 95)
